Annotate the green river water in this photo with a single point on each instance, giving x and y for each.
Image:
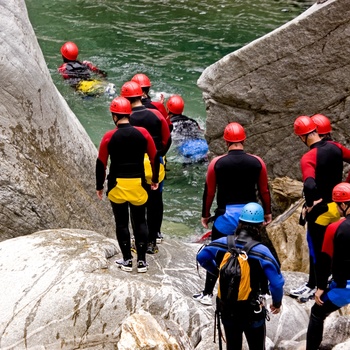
(170, 41)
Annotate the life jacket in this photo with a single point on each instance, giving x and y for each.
(77, 70)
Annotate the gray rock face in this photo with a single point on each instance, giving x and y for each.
(47, 158)
(61, 289)
(301, 68)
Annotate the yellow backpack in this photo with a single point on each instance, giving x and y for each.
(234, 273)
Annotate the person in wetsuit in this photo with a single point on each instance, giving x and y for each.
(73, 70)
(153, 121)
(183, 126)
(126, 146)
(322, 169)
(333, 260)
(145, 83)
(247, 316)
(235, 178)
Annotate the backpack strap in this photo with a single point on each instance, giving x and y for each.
(231, 244)
(249, 245)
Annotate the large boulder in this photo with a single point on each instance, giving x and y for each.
(301, 68)
(47, 158)
(61, 289)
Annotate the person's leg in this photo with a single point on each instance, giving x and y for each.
(154, 216)
(121, 216)
(315, 329)
(233, 332)
(138, 214)
(256, 335)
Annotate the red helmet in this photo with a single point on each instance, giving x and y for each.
(234, 132)
(303, 125)
(175, 104)
(131, 89)
(341, 192)
(120, 105)
(142, 79)
(69, 51)
(323, 124)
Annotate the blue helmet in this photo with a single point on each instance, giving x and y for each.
(253, 213)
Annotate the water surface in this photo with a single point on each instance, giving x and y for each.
(170, 41)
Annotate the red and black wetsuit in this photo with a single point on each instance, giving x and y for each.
(126, 146)
(75, 71)
(154, 122)
(334, 259)
(322, 169)
(236, 176)
(156, 125)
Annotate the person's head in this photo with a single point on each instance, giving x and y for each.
(69, 51)
(341, 196)
(132, 91)
(323, 124)
(120, 108)
(143, 81)
(306, 129)
(175, 105)
(234, 133)
(251, 219)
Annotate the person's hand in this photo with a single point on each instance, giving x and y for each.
(274, 310)
(318, 295)
(308, 209)
(99, 194)
(161, 98)
(154, 186)
(267, 219)
(204, 222)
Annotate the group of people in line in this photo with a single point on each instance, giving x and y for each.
(237, 178)
(137, 148)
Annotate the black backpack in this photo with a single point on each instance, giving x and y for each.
(234, 273)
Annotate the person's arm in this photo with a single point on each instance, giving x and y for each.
(273, 273)
(308, 169)
(207, 257)
(264, 192)
(153, 157)
(101, 163)
(209, 192)
(95, 69)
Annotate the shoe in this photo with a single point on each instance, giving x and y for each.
(142, 266)
(205, 299)
(152, 248)
(160, 238)
(125, 265)
(303, 292)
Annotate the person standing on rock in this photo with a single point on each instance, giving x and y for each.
(322, 169)
(334, 260)
(324, 129)
(247, 316)
(235, 177)
(154, 122)
(126, 146)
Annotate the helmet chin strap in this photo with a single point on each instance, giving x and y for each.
(346, 209)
